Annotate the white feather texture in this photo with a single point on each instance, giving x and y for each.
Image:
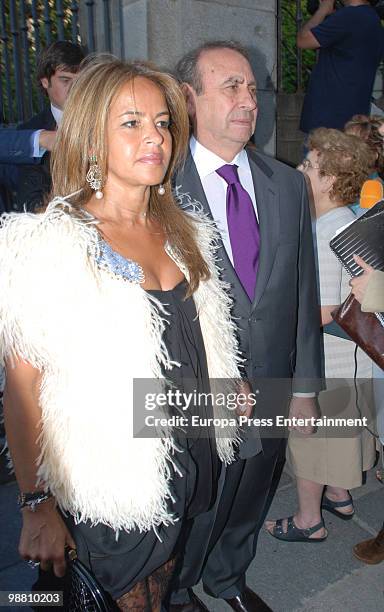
(91, 334)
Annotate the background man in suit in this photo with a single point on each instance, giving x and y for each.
(261, 209)
(56, 72)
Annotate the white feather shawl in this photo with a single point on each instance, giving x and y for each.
(92, 333)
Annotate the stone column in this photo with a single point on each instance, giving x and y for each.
(163, 30)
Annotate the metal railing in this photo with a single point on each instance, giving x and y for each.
(294, 65)
(28, 26)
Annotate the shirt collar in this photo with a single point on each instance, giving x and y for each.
(207, 162)
(57, 114)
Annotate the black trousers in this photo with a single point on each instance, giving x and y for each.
(221, 543)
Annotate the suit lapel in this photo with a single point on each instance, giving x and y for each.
(188, 181)
(267, 201)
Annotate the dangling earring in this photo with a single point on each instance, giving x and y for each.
(161, 190)
(94, 176)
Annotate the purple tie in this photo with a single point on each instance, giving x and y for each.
(243, 228)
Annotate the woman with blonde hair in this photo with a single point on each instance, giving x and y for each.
(112, 283)
(326, 466)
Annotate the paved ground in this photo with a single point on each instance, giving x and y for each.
(300, 577)
(290, 577)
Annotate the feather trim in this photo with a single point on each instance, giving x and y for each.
(213, 304)
(56, 309)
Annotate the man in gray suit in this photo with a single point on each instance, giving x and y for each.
(261, 209)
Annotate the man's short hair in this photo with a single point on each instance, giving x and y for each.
(60, 54)
(187, 70)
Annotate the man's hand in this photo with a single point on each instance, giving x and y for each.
(47, 139)
(305, 38)
(359, 283)
(303, 408)
(246, 406)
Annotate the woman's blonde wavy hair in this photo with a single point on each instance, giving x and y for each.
(82, 133)
(344, 156)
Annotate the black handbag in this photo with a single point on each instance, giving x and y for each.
(83, 591)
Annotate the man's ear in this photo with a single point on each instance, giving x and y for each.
(44, 83)
(189, 94)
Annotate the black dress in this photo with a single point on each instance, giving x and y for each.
(119, 563)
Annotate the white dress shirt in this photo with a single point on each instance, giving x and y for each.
(57, 114)
(215, 187)
(37, 150)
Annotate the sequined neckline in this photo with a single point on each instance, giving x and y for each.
(112, 262)
(117, 264)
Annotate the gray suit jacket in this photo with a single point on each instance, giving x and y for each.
(279, 332)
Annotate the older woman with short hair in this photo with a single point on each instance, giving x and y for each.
(326, 467)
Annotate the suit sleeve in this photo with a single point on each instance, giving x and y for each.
(307, 372)
(16, 146)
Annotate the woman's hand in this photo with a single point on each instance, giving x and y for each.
(44, 537)
(359, 283)
(44, 534)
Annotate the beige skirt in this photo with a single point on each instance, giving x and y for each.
(335, 456)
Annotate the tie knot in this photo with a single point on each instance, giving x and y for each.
(229, 173)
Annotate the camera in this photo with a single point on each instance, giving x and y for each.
(313, 5)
